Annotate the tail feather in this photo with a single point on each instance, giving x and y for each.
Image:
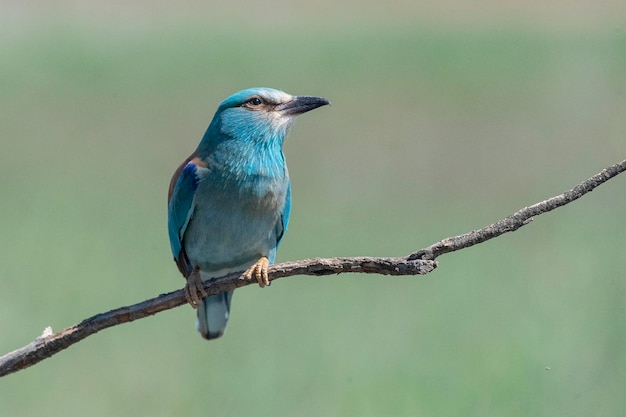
(213, 314)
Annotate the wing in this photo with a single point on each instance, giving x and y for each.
(180, 206)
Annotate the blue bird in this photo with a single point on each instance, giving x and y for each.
(229, 202)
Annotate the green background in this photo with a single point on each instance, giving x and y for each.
(445, 118)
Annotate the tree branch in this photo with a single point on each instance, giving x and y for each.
(50, 343)
(518, 219)
(417, 263)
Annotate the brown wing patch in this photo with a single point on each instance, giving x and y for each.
(198, 161)
(193, 158)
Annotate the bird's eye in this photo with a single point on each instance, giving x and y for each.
(254, 102)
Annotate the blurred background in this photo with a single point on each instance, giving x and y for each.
(446, 117)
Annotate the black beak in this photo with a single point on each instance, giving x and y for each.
(301, 104)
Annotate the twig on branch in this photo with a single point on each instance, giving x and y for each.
(417, 263)
(519, 218)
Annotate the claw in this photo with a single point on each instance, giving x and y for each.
(259, 269)
(194, 290)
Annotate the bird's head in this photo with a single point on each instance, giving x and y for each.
(259, 115)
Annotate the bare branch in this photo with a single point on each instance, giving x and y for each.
(519, 218)
(50, 343)
(418, 263)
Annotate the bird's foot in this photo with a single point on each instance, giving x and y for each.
(194, 289)
(259, 271)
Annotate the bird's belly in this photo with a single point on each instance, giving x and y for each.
(231, 232)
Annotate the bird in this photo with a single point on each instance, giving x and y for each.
(229, 202)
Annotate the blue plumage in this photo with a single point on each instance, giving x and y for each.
(229, 202)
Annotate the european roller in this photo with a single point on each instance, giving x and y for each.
(229, 201)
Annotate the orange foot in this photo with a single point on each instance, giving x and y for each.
(194, 290)
(259, 269)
